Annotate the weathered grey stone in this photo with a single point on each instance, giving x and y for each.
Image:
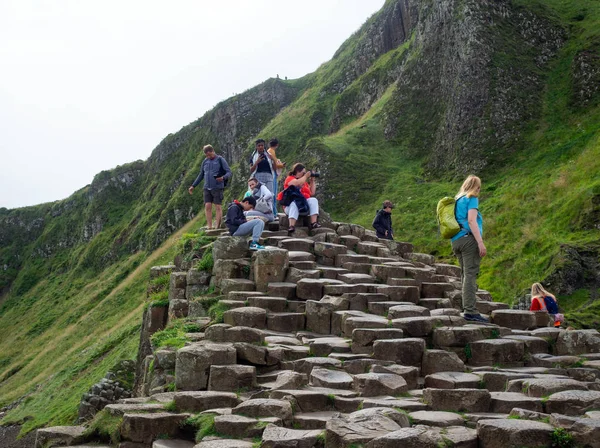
(573, 402)
(232, 378)
(497, 351)
(363, 426)
(225, 443)
(330, 378)
(289, 380)
(230, 248)
(513, 433)
(176, 443)
(410, 374)
(586, 432)
(407, 351)
(542, 387)
(436, 418)
(578, 342)
(367, 336)
(504, 402)
(398, 312)
(59, 436)
(265, 407)
(456, 336)
(144, 428)
(418, 437)
(517, 319)
(277, 437)
(379, 384)
(193, 363)
(198, 401)
(435, 361)
(246, 316)
(460, 400)
(269, 266)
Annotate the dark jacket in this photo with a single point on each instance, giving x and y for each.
(293, 194)
(383, 222)
(235, 217)
(209, 170)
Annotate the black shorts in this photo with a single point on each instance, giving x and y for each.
(214, 196)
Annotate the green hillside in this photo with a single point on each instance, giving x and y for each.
(513, 97)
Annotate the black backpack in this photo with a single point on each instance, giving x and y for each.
(222, 172)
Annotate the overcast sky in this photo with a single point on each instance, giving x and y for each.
(87, 85)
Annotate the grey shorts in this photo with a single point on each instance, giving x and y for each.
(214, 196)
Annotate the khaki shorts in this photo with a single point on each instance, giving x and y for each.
(214, 196)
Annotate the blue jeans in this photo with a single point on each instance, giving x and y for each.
(254, 227)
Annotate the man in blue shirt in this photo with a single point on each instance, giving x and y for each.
(214, 171)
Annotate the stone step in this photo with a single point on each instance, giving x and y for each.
(433, 290)
(250, 316)
(485, 307)
(383, 308)
(242, 296)
(517, 319)
(286, 321)
(357, 268)
(240, 426)
(295, 255)
(297, 244)
(433, 303)
(313, 420)
(282, 289)
(276, 436)
(273, 304)
(303, 264)
(353, 279)
(236, 284)
(59, 436)
(331, 272)
(326, 346)
(145, 428)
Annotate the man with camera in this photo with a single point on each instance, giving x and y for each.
(262, 165)
(299, 189)
(215, 172)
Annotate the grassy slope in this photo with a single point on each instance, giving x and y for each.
(538, 200)
(73, 336)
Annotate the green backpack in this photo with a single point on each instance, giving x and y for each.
(447, 224)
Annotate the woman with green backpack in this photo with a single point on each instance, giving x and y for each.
(468, 245)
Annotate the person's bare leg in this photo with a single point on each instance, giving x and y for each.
(208, 212)
(292, 222)
(313, 218)
(218, 215)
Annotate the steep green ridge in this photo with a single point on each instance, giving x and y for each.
(382, 120)
(65, 333)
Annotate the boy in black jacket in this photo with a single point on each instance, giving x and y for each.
(383, 221)
(238, 225)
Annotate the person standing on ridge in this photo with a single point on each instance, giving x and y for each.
(261, 165)
(279, 166)
(468, 245)
(383, 221)
(214, 171)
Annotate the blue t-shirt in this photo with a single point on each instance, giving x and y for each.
(463, 205)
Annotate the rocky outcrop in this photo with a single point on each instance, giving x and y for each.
(360, 346)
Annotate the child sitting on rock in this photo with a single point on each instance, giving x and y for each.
(542, 300)
(238, 225)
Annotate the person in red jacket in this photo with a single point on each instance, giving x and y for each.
(305, 181)
(542, 300)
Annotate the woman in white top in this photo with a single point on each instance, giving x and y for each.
(264, 201)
